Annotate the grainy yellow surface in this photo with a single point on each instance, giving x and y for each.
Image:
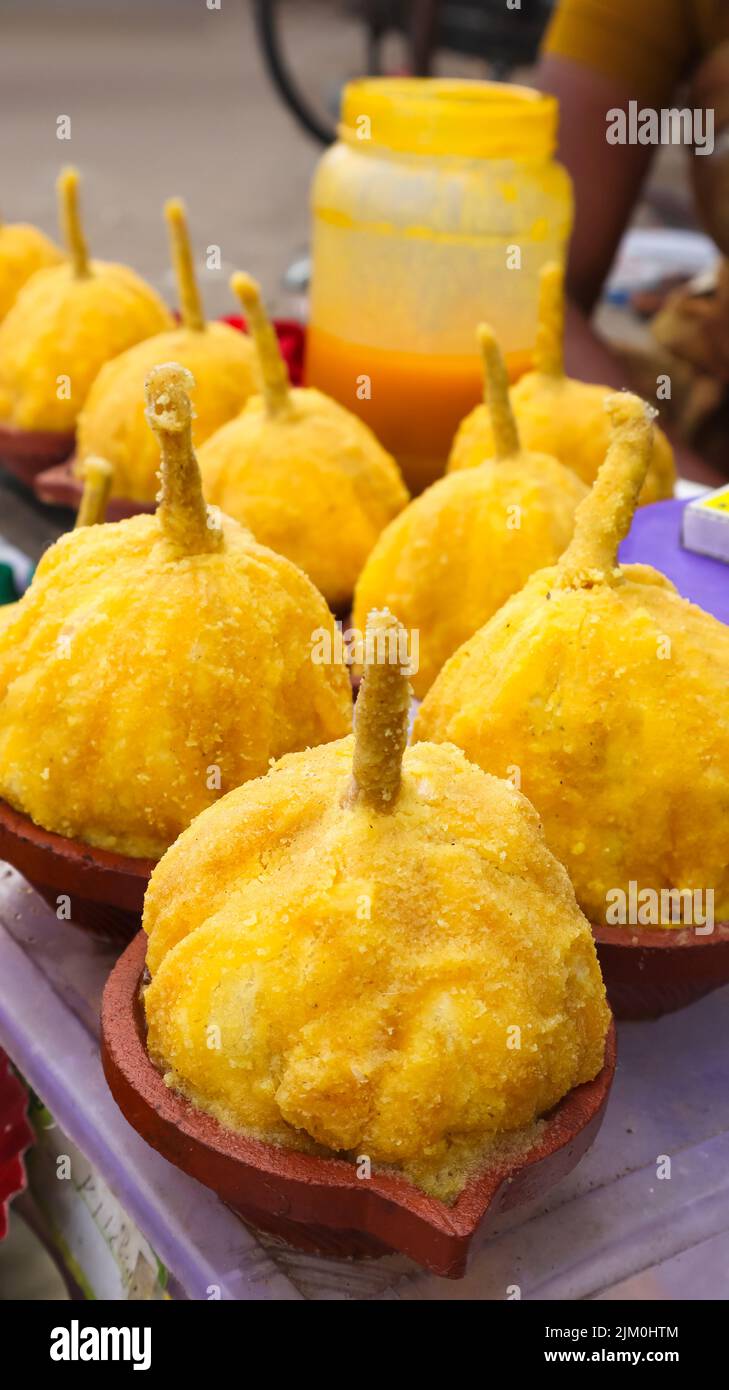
(65, 326)
(324, 972)
(311, 481)
(112, 421)
(461, 548)
(456, 553)
(625, 755)
(129, 670)
(555, 413)
(566, 418)
(23, 251)
(610, 693)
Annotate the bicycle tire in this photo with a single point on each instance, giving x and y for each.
(264, 12)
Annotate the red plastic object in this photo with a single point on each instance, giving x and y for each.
(319, 1203)
(106, 889)
(292, 341)
(653, 971)
(15, 1137)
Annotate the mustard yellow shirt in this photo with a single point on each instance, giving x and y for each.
(649, 45)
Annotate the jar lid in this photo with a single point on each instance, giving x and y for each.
(441, 117)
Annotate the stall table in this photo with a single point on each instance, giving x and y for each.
(644, 1215)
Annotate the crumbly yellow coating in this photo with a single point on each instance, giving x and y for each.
(614, 704)
(565, 418)
(112, 422)
(6, 612)
(610, 693)
(137, 683)
(457, 552)
(310, 480)
(23, 250)
(327, 973)
(555, 413)
(63, 325)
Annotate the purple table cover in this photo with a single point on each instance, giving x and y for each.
(655, 539)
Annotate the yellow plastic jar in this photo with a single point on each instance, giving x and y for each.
(435, 209)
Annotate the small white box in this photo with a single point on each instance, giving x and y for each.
(706, 525)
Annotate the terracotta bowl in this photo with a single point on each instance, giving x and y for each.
(106, 890)
(319, 1203)
(60, 486)
(649, 971)
(24, 453)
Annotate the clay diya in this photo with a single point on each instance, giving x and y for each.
(306, 475)
(607, 691)
(66, 322)
(556, 413)
(663, 970)
(61, 486)
(152, 664)
(103, 892)
(457, 552)
(25, 453)
(339, 957)
(319, 1204)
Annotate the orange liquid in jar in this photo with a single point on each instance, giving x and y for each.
(417, 401)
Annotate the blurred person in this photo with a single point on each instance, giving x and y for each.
(597, 57)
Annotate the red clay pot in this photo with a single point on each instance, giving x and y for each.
(319, 1203)
(61, 488)
(106, 889)
(25, 453)
(649, 971)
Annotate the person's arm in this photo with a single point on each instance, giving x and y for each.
(597, 55)
(607, 178)
(607, 181)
